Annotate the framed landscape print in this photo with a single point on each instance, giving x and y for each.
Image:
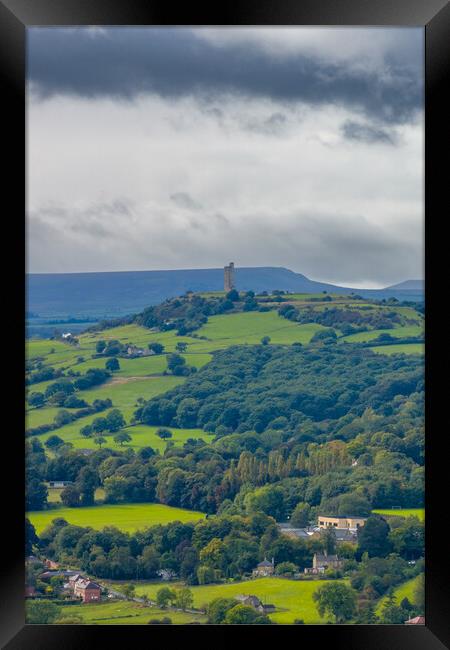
(231, 409)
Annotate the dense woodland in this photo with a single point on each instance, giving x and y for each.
(317, 424)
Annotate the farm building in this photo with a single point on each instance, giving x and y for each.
(264, 568)
(251, 601)
(255, 602)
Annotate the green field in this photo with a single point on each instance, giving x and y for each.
(124, 612)
(398, 332)
(250, 327)
(122, 391)
(141, 436)
(404, 512)
(405, 590)
(144, 366)
(292, 598)
(128, 517)
(401, 348)
(136, 335)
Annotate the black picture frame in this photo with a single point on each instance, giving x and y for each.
(434, 16)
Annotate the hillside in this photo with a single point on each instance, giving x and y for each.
(408, 285)
(189, 434)
(97, 295)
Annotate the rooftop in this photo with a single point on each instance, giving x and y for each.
(418, 620)
(325, 558)
(343, 516)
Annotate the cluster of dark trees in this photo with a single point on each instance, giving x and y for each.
(61, 392)
(184, 314)
(349, 321)
(189, 312)
(110, 348)
(388, 339)
(176, 364)
(111, 423)
(42, 373)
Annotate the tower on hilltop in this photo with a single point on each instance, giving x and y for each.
(228, 277)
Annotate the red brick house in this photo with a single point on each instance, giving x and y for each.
(87, 590)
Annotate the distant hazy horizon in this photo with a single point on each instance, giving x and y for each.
(184, 148)
(219, 268)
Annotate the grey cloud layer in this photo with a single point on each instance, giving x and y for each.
(123, 63)
(349, 250)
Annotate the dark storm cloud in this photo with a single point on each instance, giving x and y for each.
(122, 63)
(367, 133)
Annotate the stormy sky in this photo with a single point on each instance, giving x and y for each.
(162, 148)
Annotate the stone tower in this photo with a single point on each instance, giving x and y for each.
(228, 277)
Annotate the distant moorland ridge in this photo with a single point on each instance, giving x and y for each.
(95, 295)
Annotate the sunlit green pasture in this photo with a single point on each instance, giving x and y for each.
(122, 391)
(136, 335)
(123, 612)
(404, 512)
(127, 517)
(141, 436)
(401, 348)
(397, 332)
(45, 415)
(250, 327)
(405, 590)
(292, 598)
(64, 354)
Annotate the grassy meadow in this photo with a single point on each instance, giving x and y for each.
(405, 590)
(127, 517)
(250, 327)
(404, 512)
(402, 348)
(292, 598)
(397, 332)
(141, 436)
(125, 612)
